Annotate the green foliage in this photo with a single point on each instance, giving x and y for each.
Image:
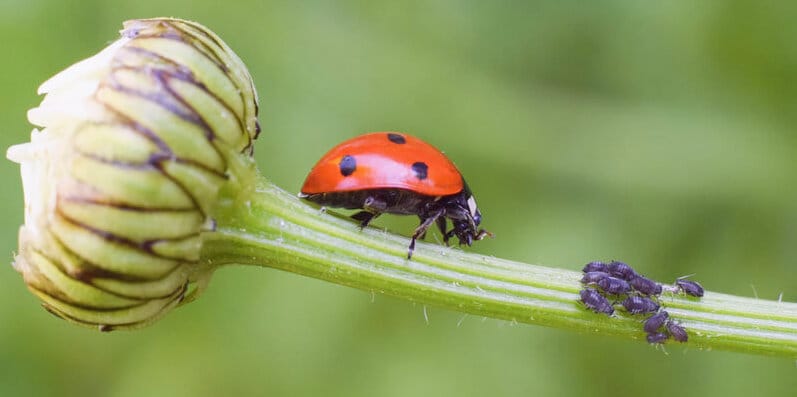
(659, 134)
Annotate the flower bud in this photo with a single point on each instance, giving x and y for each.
(121, 180)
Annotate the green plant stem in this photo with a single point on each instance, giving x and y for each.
(273, 228)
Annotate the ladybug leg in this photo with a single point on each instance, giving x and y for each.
(441, 225)
(451, 233)
(421, 229)
(422, 236)
(372, 207)
(364, 217)
(482, 234)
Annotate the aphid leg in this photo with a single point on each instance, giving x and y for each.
(421, 229)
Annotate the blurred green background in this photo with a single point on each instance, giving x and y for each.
(661, 134)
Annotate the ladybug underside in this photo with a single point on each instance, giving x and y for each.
(430, 209)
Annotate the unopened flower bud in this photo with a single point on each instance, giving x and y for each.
(121, 180)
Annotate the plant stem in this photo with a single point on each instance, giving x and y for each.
(273, 228)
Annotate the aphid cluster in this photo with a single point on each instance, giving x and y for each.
(607, 284)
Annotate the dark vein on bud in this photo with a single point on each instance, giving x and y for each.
(162, 99)
(145, 246)
(133, 124)
(211, 54)
(66, 300)
(152, 163)
(124, 206)
(158, 158)
(187, 75)
(89, 271)
(178, 295)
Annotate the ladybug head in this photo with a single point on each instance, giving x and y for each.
(470, 204)
(467, 230)
(466, 219)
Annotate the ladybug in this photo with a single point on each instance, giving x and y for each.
(396, 173)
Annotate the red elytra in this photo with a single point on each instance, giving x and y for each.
(385, 163)
(396, 173)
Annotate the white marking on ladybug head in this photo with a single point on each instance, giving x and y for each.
(474, 211)
(472, 205)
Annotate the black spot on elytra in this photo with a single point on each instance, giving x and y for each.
(347, 165)
(396, 138)
(420, 168)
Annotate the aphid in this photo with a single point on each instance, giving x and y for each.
(645, 286)
(596, 302)
(657, 337)
(593, 277)
(639, 305)
(689, 287)
(656, 321)
(595, 267)
(614, 286)
(396, 173)
(621, 270)
(678, 332)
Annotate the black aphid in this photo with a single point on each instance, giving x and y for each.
(689, 287)
(621, 270)
(593, 277)
(678, 332)
(614, 286)
(596, 302)
(639, 305)
(645, 286)
(595, 267)
(656, 321)
(657, 337)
